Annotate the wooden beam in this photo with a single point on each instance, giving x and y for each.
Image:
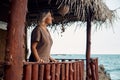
(15, 47)
(88, 46)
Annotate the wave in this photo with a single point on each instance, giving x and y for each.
(111, 70)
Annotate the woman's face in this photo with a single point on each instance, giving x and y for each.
(49, 18)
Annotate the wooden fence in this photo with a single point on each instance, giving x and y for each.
(64, 70)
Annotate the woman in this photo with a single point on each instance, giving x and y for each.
(41, 40)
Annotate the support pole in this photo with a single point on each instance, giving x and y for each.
(88, 46)
(15, 47)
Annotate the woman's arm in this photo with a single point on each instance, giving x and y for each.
(34, 50)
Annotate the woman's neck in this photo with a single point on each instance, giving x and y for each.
(43, 25)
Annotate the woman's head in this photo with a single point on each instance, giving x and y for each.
(45, 16)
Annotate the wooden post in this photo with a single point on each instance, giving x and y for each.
(15, 47)
(88, 45)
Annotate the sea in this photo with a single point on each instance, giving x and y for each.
(111, 62)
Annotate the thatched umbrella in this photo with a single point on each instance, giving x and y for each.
(88, 11)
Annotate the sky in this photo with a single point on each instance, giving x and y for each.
(105, 40)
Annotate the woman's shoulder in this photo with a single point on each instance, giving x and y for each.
(37, 28)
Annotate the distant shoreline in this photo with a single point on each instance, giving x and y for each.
(85, 54)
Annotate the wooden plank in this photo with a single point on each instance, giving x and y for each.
(96, 68)
(47, 72)
(35, 71)
(67, 71)
(53, 72)
(80, 70)
(77, 71)
(74, 68)
(71, 71)
(57, 75)
(27, 72)
(93, 71)
(63, 72)
(41, 72)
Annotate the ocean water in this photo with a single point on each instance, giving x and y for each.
(111, 62)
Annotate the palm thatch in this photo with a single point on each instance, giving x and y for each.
(97, 9)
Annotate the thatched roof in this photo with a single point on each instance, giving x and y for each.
(78, 10)
(81, 8)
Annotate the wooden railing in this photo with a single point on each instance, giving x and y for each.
(64, 70)
(94, 69)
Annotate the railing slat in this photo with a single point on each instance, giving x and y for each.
(53, 72)
(77, 71)
(63, 72)
(93, 71)
(74, 68)
(82, 70)
(57, 75)
(67, 72)
(35, 71)
(71, 71)
(96, 68)
(47, 72)
(41, 72)
(27, 72)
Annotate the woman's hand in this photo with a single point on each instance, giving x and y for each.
(40, 60)
(53, 60)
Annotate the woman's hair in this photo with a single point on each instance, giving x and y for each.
(42, 15)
